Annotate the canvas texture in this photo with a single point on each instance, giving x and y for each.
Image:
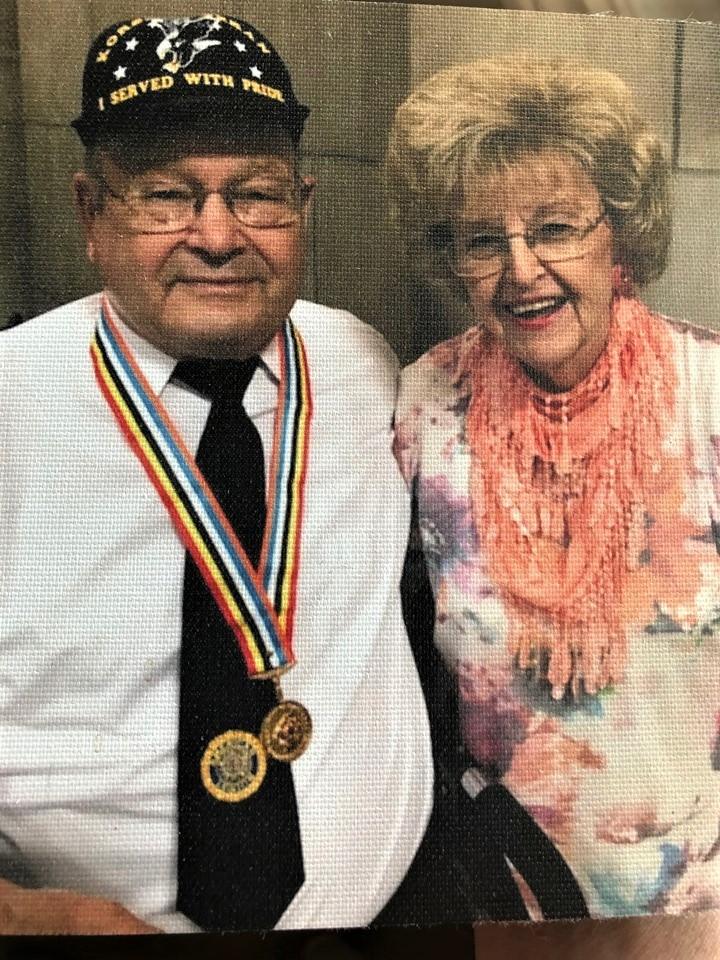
(431, 635)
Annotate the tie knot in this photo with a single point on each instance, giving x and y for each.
(217, 379)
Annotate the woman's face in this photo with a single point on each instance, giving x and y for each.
(552, 317)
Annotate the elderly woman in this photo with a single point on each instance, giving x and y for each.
(565, 452)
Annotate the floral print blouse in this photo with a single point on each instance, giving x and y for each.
(625, 782)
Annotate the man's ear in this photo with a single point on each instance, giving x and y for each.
(309, 184)
(86, 208)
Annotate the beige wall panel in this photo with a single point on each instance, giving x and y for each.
(690, 287)
(9, 46)
(667, 9)
(347, 61)
(700, 93)
(8, 25)
(105, 12)
(59, 269)
(14, 247)
(11, 99)
(54, 36)
(102, 13)
(14, 252)
(642, 52)
(355, 254)
(436, 317)
(352, 58)
(10, 83)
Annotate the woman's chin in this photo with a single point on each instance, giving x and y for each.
(556, 368)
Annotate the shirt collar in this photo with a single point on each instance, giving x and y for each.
(157, 366)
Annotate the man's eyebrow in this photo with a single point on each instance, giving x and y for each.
(266, 168)
(243, 172)
(236, 176)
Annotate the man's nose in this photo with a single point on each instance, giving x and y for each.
(215, 228)
(522, 265)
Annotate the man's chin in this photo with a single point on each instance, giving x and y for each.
(239, 297)
(220, 334)
(219, 291)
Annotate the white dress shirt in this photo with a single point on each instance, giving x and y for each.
(91, 575)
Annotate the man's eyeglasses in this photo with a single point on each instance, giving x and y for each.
(164, 207)
(477, 253)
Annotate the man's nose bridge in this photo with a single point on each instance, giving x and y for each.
(214, 218)
(212, 198)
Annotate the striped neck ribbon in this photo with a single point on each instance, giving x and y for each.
(259, 606)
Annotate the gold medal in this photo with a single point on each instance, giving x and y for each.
(233, 766)
(286, 731)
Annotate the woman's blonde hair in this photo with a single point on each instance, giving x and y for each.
(481, 116)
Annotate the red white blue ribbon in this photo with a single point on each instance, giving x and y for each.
(259, 606)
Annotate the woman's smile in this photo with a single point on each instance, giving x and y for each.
(536, 313)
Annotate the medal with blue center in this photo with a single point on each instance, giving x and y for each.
(259, 606)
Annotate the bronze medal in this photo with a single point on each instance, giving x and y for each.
(286, 731)
(233, 766)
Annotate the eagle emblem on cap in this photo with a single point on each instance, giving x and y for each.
(183, 40)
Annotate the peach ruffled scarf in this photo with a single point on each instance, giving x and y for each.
(560, 490)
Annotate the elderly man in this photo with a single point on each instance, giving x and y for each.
(211, 716)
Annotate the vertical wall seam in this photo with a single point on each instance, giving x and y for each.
(677, 92)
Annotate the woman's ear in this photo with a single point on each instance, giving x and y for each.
(622, 280)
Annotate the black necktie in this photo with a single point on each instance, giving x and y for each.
(239, 864)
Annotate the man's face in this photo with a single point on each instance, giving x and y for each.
(214, 289)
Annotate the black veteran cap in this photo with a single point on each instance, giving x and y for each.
(218, 70)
